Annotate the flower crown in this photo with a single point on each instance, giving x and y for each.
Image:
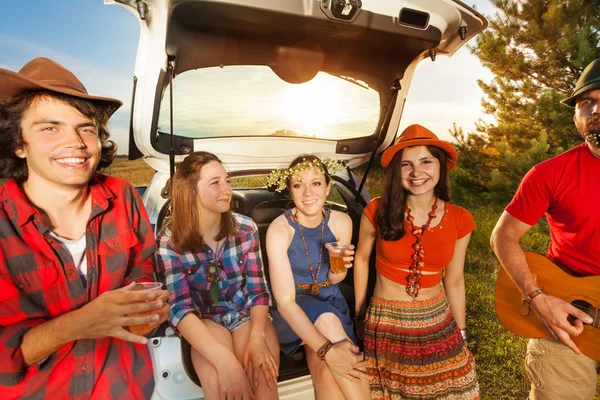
(278, 178)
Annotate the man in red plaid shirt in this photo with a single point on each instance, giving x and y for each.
(72, 245)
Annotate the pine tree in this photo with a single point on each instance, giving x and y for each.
(536, 49)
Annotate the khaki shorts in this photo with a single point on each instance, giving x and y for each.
(558, 373)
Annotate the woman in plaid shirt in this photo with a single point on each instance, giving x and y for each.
(209, 259)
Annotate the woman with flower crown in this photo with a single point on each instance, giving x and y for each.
(209, 259)
(310, 308)
(414, 328)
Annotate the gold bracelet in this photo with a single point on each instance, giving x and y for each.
(527, 299)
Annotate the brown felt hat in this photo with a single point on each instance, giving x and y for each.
(44, 74)
(416, 135)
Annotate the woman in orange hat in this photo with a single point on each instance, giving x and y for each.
(414, 327)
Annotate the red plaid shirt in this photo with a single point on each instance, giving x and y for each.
(39, 281)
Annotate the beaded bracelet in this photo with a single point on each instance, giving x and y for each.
(527, 299)
(324, 349)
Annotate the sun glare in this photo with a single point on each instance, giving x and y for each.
(312, 107)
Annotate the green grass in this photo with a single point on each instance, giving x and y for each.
(499, 355)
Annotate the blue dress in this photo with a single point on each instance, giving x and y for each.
(329, 298)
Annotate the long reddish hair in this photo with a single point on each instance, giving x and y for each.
(184, 223)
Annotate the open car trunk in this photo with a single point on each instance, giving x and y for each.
(291, 43)
(259, 82)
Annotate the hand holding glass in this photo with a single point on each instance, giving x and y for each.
(336, 256)
(146, 287)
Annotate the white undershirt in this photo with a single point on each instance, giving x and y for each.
(77, 249)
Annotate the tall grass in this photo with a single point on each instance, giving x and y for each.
(499, 354)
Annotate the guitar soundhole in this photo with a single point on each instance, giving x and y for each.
(588, 309)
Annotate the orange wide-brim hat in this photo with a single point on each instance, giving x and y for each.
(417, 135)
(44, 74)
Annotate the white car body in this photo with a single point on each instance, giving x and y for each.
(200, 34)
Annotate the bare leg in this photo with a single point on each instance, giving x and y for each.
(205, 370)
(326, 388)
(240, 341)
(330, 326)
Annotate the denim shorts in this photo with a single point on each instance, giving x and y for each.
(232, 320)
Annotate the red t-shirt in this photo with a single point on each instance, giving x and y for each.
(566, 188)
(438, 243)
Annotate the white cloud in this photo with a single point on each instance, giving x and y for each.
(445, 91)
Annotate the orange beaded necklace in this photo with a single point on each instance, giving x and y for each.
(415, 271)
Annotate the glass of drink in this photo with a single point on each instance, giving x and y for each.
(336, 256)
(146, 287)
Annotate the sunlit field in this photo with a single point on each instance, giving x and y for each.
(137, 172)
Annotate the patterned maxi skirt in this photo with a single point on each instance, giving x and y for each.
(414, 350)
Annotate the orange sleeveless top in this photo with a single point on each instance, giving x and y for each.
(438, 243)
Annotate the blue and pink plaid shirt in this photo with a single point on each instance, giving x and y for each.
(241, 285)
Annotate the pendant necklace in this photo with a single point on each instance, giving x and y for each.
(213, 273)
(314, 288)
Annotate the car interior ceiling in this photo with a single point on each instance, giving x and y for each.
(203, 34)
(296, 47)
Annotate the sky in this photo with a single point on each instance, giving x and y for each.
(98, 43)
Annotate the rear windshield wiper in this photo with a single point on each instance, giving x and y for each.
(352, 80)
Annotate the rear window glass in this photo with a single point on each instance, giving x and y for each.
(254, 101)
(254, 182)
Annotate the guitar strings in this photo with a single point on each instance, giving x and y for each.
(586, 310)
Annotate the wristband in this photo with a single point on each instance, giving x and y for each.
(463, 333)
(359, 318)
(324, 349)
(527, 299)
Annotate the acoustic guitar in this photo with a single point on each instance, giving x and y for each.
(582, 292)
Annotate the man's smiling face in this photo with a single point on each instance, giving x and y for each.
(61, 145)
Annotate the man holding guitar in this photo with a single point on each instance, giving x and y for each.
(566, 189)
